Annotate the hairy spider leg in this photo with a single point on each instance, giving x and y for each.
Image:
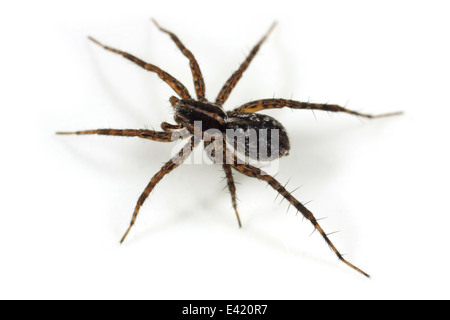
(232, 188)
(254, 172)
(233, 80)
(168, 127)
(141, 133)
(265, 104)
(210, 148)
(199, 83)
(177, 160)
(176, 85)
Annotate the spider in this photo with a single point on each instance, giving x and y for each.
(189, 111)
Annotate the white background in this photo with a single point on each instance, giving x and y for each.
(67, 200)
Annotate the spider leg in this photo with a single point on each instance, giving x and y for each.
(170, 128)
(199, 83)
(233, 80)
(265, 104)
(255, 172)
(176, 85)
(182, 155)
(211, 146)
(167, 127)
(232, 188)
(141, 133)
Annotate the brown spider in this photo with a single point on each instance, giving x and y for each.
(212, 116)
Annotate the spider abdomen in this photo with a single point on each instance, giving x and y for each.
(258, 136)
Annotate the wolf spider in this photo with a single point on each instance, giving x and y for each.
(211, 114)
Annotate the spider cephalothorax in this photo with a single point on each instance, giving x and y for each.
(224, 134)
(187, 112)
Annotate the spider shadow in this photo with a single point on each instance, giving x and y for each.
(101, 155)
(195, 186)
(151, 89)
(290, 251)
(318, 153)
